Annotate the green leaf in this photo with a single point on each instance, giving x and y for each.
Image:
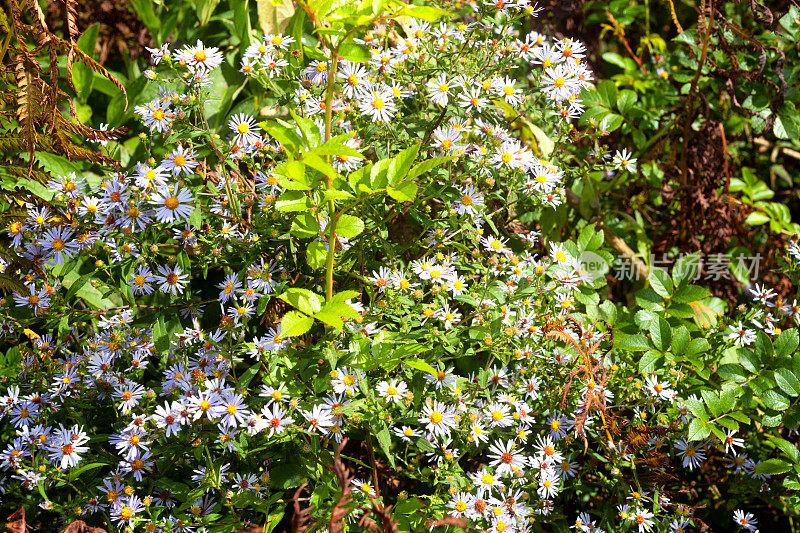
(316, 162)
(607, 90)
(334, 311)
(295, 323)
(698, 430)
(248, 375)
(385, 441)
(697, 408)
(419, 364)
(685, 269)
(690, 293)
(292, 175)
(316, 255)
(429, 13)
(786, 447)
(660, 282)
(241, 21)
(303, 299)
(74, 473)
(785, 127)
(748, 359)
(590, 238)
(611, 122)
(424, 445)
(732, 372)
(401, 164)
(405, 191)
(163, 332)
(697, 346)
(712, 401)
(756, 218)
(775, 400)
(680, 340)
(82, 75)
(787, 381)
(546, 145)
(354, 52)
(304, 226)
(145, 12)
(626, 100)
(336, 148)
(349, 226)
(786, 343)
(632, 343)
(660, 333)
(292, 201)
(283, 133)
(648, 362)
(344, 295)
(428, 164)
(773, 467)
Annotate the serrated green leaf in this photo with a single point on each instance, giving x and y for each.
(405, 191)
(295, 323)
(349, 226)
(419, 364)
(787, 381)
(385, 441)
(292, 201)
(649, 362)
(632, 343)
(773, 467)
(425, 166)
(690, 293)
(698, 430)
(660, 333)
(303, 299)
(660, 282)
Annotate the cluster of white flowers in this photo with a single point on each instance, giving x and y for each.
(482, 343)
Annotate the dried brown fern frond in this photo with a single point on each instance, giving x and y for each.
(33, 117)
(86, 59)
(301, 519)
(341, 509)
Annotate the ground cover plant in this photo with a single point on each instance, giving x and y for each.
(368, 269)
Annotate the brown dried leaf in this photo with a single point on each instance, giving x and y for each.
(16, 522)
(340, 510)
(79, 526)
(301, 520)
